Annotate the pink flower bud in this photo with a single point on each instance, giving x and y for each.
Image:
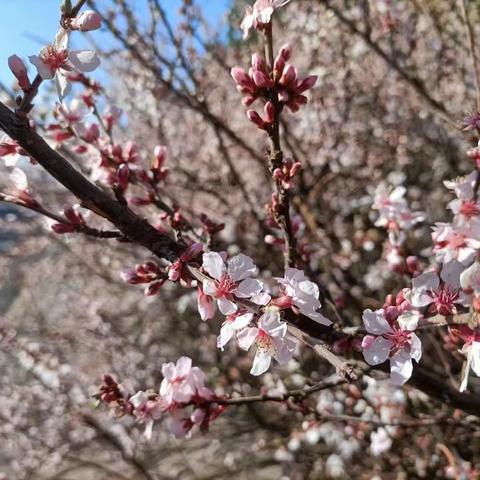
(295, 169)
(286, 52)
(277, 173)
(307, 84)
(269, 110)
(92, 133)
(289, 75)
(261, 79)
(191, 252)
(153, 288)
(255, 118)
(62, 228)
(278, 66)
(160, 152)
(123, 175)
(258, 63)
(241, 78)
(248, 100)
(87, 21)
(18, 68)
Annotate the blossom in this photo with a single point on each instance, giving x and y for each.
(146, 409)
(260, 14)
(395, 213)
(181, 381)
(471, 349)
(18, 189)
(86, 21)
(16, 65)
(454, 242)
(233, 323)
(271, 340)
(394, 340)
(465, 208)
(303, 294)
(57, 62)
(442, 292)
(231, 279)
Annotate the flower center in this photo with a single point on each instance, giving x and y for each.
(444, 299)
(225, 286)
(469, 208)
(54, 58)
(399, 338)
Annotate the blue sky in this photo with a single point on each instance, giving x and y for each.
(27, 25)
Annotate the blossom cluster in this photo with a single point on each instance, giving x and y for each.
(183, 400)
(231, 285)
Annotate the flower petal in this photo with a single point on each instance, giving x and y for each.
(261, 363)
(247, 337)
(401, 367)
(248, 288)
(214, 265)
(84, 60)
(375, 322)
(226, 306)
(377, 352)
(240, 267)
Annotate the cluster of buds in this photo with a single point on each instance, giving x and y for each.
(287, 172)
(178, 270)
(146, 273)
(113, 394)
(282, 81)
(75, 221)
(117, 160)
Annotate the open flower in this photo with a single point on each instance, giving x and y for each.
(271, 339)
(181, 381)
(455, 242)
(234, 323)
(442, 292)
(260, 14)
(302, 294)
(57, 62)
(232, 279)
(394, 340)
(146, 409)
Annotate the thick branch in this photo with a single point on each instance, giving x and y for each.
(133, 227)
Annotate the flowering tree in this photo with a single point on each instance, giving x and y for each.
(279, 287)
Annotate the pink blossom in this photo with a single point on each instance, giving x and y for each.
(57, 61)
(303, 294)
(18, 189)
(260, 14)
(465, 208)
(442, 292)
(394, 212)
(18, 68)
(394, 340)
(86, 21)
(181, 381)
(234, 323)
(147, 409)
(271, 339)
(455, 242)
(231, 279)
